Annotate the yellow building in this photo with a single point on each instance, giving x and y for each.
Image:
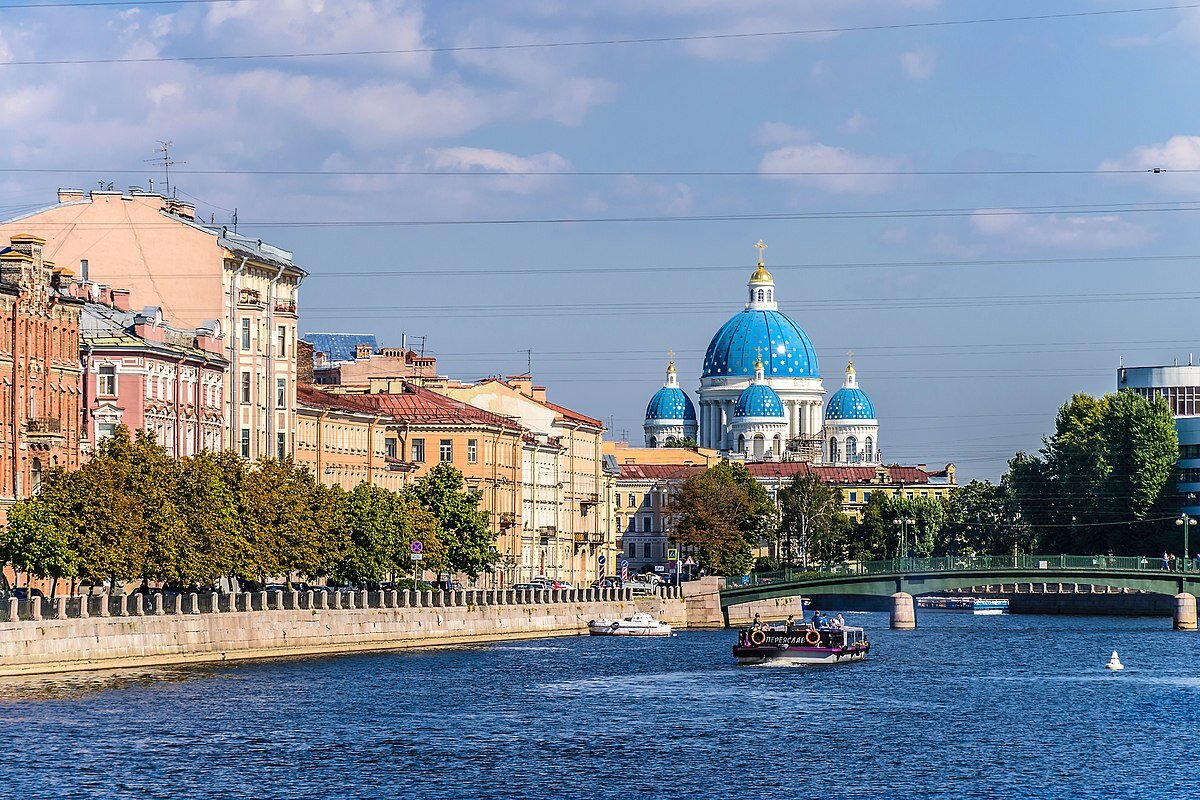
(345, 444)
(567, 548)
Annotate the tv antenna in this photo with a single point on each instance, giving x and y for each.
(164, 160)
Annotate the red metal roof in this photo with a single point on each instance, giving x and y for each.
(416, 405)
(834, 474)
(658, 472)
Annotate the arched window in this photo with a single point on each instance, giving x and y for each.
(851, 450)
(778, 445)
(741, 443)
(761, 295)
(868, 454)
(770, 294)
(654, 441)
(833, 450)
(35, 475)
(760, 445)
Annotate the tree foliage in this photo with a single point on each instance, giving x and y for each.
(1101, 482)
(720, 517)
(812, 525)
(685, 442)
(134, 513)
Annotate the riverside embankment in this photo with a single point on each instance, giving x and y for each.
(102, 632)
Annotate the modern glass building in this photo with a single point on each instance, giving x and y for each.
(1180, 387)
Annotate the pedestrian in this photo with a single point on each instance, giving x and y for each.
(787, 626)
(1166, 562)
(841, 621)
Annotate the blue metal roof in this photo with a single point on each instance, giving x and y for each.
(671, 402)
(850, 403)
(786, 349)
(758, 400)
(340, 346)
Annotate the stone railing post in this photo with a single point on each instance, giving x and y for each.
(139, 605)
(335, 599)
(418, 599)
(60, 608)
(391, 599)
(190, 603)
(14, 609)
(35, 608)
(159, 604)
(405, 598)
(322, 599)
(84, 611)
(364, 599)
(102, 605)
(293, 599)
(214, 602)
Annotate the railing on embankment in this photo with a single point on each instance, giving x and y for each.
(158, 604)
(912, 565)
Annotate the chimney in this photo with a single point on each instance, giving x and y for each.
(522, 383)
(70, 195)
(539, 393)
(120, 299)
(362, 352)
(921, 467)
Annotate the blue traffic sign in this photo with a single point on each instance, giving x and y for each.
(624, 563)
(601, 560)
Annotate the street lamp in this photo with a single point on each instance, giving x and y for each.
(1185, 521)
(904, 523)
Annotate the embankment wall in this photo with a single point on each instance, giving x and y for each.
(121, 632)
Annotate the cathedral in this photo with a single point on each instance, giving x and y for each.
(761, 397)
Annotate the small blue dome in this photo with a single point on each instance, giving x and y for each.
(786, 348)
(758, 400)
(850, 403)
(671, 402)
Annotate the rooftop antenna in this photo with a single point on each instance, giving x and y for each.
(529, 362)
(235, 220)
(165, 162)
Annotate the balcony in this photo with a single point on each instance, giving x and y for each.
(592, 499)
(508, 520)
(285, 306)
(582, 537)
(44, 432)
(249, 297)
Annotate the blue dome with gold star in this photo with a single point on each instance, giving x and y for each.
(786, 349)
(758, 400)
(671, 402)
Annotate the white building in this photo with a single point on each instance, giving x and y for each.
(1180, 387)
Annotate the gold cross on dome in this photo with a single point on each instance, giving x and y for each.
(671, 355)
(760, 247)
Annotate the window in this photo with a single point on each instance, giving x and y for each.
(245, 388)
(646, 550)
(281, 335)
(445, 450)
(105, 430)
(633, 549)
(418, 450)
(851, 450)
(389, 448)
(281, 445)
(833, 450)
(281, 392)
(647, 524)
(472, 450)
(1190, 475)
(854, 497)
(868, 451)
(245, 442)
(632, 500)
(245, 334)
(866, 497)
(761, 295)
(1189, 451)
(108, 380)
(618, 496)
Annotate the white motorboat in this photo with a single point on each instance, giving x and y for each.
(640, 624)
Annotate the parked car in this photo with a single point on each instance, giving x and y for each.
(607, 582)
(24, 592)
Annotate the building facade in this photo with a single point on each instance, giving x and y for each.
(345, 443)
(1179, 386)
(41, 386)
(199, 275)
(144, 374)
(571, 552)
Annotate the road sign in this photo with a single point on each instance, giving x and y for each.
(660, 568)
(415, 557)
(691, 562)
(624, 571)
(673, 554)
(417, 548)
(624, 563)
(601, 560)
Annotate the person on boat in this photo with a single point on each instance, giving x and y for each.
(757, 623)
(790, 624)
(816, 620)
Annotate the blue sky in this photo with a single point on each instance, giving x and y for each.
(965, 361)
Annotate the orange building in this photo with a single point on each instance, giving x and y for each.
(40, 374)
(344, 443)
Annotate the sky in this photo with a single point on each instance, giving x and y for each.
(1008, 247)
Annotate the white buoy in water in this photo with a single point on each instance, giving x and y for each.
(1114, 662)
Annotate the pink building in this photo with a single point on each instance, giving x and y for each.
(141, 372)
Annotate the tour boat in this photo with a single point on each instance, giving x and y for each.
(982, 606)
(800, 644)
(640, 624)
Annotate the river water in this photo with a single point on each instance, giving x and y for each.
(963, 707)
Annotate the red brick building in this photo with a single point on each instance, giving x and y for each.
(40, 373)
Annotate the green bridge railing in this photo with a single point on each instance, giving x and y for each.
(896, 566)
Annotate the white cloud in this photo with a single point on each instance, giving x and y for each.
(476, 159)
(919, 64)
(1177, 153)
(1087, 233)
(821, 158)
(857, 123)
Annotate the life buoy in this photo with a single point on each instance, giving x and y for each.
(757, 638)
(615, 626)
(812, 638)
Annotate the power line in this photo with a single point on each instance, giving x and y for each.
(594, 42)
(383, 173)
(918, 213)
(107, 3)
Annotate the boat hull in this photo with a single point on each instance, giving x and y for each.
(666, 631)
(791, 654)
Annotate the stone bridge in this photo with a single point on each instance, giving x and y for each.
(901, 578)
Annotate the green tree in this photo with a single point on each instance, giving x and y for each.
(812, 524)
(869, 540)
(369, 518)
(685, 442)
(469, 540)
(716, 519)
(289, 520)
(35, 542)
(212, 521)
